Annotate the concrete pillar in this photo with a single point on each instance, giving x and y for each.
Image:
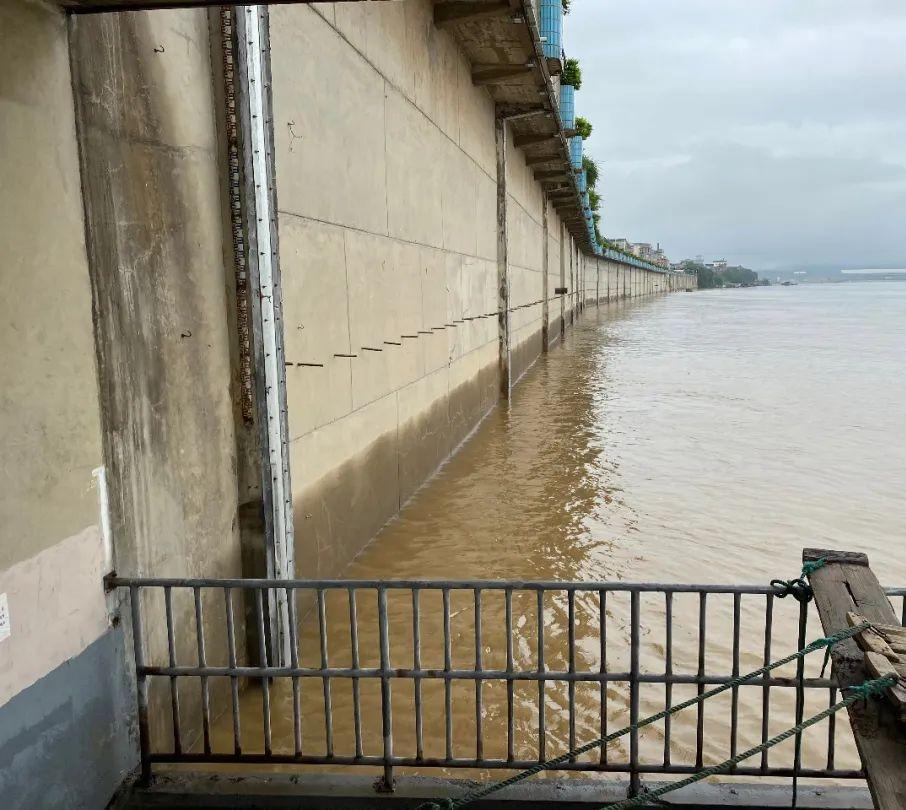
(572, 280)
(597, 282)
(562, 279)
(503, 292)
(545, 272)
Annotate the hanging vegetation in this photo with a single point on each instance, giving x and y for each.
(591, 170)
(572, 74)
(583, 127)
(565, 4)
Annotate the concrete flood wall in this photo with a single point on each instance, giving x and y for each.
(120, 334)
(63, 685)
(386, 180)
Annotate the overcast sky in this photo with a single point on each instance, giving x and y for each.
(771, 132)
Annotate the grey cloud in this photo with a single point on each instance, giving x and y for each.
(773, 131)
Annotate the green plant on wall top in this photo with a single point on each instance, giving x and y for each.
(583, 127)
(594, 199)
(572, 73)
(565, 4)
(591, 170)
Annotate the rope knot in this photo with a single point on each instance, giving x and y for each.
(799, 589)
(872, 688)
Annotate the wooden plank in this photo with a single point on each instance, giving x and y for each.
(875, 638)
(846, 584)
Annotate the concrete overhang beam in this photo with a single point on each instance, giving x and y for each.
(540, 160)
(108, 6)
(532, 138)
(497, 74)
(459, 11)
(553, 174)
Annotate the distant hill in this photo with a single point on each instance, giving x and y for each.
(823, 274)
(709, 278)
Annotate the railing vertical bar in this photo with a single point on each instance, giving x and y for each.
(356, 687)
(734, 697)
(479, 722)
(668, 669)
(700, 688)
(571, 687)
(634, 635)
(542, 725)
(602, 638)
(766, 689)
(234, 680)
(171, 656)
(265, 682)
(448, 686)
(141, 690)
(417, 665)
(510, 686)
(800, 690)
(325, 681)
(294, 662)
(386, 694)
(202, 662)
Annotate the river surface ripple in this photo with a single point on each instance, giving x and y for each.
(691, 438)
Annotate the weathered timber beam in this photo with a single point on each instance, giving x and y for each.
(531, 138)
(450, 13)
(844, 584)
(500, 73)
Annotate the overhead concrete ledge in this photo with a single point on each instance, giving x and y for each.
(106, 6)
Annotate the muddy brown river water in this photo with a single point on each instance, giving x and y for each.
(700, 438)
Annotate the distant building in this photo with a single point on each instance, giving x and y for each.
(643, 250)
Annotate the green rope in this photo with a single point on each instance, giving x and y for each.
(552, 764)
(809, 567)
(860, 692)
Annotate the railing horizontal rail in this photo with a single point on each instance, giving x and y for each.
(504, 764)
(434, 585)
(441, 584)
(471, 675)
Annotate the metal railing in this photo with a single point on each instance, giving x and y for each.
(542, 666)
